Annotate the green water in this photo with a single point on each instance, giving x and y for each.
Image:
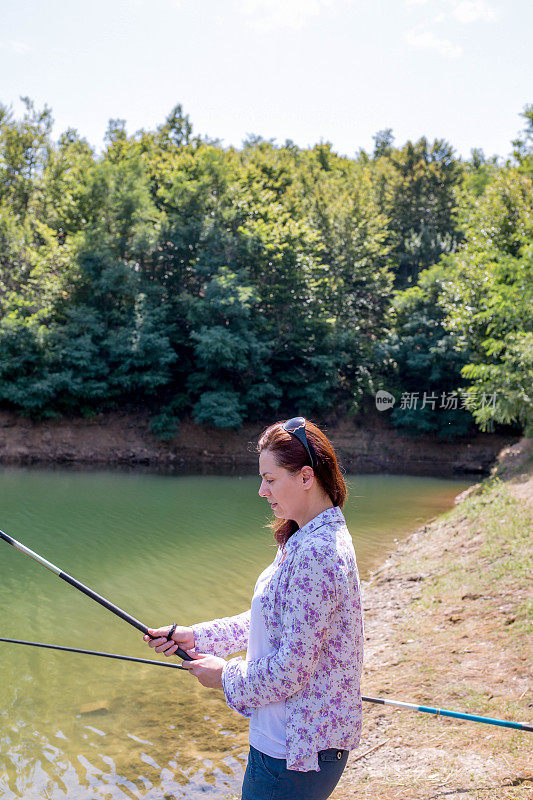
(164, 548)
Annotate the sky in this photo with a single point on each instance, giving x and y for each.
(310, 71)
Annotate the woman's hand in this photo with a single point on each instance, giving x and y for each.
(182, 637)
(208, 669)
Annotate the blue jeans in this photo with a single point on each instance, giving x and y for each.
(267, 778)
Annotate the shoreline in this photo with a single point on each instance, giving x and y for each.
(448, 624)
(365, 445)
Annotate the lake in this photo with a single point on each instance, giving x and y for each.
(164, 548)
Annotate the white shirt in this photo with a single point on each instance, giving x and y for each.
(267, 723)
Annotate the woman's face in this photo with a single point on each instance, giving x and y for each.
(283, 490)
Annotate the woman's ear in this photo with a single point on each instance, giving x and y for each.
(308, 477)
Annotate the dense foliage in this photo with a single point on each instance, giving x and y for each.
(172, 274)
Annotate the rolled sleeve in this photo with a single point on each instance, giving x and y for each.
(307, 609)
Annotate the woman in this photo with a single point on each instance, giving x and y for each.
(300, 682)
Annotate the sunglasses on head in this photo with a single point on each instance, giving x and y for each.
(296, 426)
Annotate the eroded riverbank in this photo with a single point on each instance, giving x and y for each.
(366, 445)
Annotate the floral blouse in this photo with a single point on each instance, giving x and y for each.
(313, 617)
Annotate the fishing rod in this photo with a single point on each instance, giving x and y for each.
(92, 653)
(438, 711)
(444, 712)
(86, 590)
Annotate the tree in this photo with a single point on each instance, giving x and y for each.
(24, 150)
(421, 360)
(523, 145)
(489, 300)
(420, 202)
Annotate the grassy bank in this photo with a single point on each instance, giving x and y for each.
(448, 621)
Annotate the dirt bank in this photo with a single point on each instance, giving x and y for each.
(368, 445)
(448, 624)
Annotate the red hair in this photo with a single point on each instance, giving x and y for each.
(290, 454)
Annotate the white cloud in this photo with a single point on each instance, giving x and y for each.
(472, 11)
(20, 47)
(461, 10)
(269, 14)
(427, 39)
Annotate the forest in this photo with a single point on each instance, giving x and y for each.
(172, 274)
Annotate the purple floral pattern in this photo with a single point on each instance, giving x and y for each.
(313, 616)
(224, 636)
